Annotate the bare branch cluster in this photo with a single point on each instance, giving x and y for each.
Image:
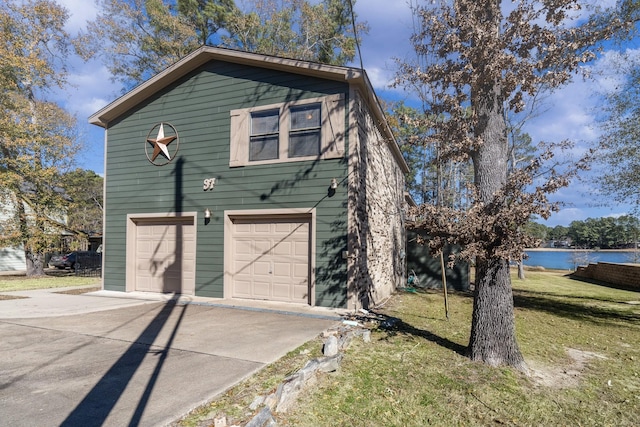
(478, 60)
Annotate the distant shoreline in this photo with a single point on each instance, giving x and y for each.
(574, 250)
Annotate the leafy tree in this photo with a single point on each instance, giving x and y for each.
(37, 138)
(321, 32)
(206, 17)
(558, 232)
(139, 38)
(619, 177)
(480, 61)
(84, 187)
(605, 232)
(537, 230)
(409, 127)
(430, 177)
(630, 226)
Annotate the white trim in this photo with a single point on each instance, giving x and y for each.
(262, 214)
(104, 205)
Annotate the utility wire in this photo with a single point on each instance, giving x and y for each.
(355, 33)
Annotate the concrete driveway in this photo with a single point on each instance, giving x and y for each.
(147, 363)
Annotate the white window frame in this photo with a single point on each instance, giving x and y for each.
(332, 131)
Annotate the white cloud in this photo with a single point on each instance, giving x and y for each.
(90, 89)
(388, 38)
(566, 216)
(616, 214)
(80, 12)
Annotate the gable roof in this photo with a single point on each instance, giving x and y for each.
(204, 54)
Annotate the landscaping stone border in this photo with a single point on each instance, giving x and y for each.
(335, 342)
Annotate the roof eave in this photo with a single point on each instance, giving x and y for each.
(205, 54)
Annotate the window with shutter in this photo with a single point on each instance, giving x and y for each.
(293, 131)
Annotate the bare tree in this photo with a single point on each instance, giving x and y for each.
(480, 60)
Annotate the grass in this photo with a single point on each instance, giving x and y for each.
(53, 280)
(581, 342)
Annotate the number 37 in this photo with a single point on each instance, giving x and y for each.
(208, 184)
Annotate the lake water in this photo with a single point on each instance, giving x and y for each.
(567, 260)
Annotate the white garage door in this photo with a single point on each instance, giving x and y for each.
(270, 259)
(165, 255)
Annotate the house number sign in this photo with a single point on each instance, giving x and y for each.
(208, 184)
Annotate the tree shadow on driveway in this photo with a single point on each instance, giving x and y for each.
(96, 406)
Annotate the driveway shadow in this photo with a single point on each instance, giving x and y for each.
(96, 406)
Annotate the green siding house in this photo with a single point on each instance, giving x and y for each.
(243, 176)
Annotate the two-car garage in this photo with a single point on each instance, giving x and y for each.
(268, 255)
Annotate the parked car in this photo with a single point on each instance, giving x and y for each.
(64, 261)
(74, 259)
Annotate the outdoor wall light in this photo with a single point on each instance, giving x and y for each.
(334, 184)
(207, 214)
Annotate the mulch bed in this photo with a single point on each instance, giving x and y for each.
(8, 297)
(79, 291)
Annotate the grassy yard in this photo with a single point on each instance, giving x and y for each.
(53, 280)
(581, 341)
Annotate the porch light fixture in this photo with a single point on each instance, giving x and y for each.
(207, 214)
(334, 184)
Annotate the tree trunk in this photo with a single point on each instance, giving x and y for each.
(493, 339)
(521, 270)
(34, 261)
(35, 264)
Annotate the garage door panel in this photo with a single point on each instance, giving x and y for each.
(262, 246)
(282, 292)
(284, 227)
(261, 268)
(282, 248)
(300, 270)
(281, 269)
(243, 228)
(261, 289)
(301, 249)
(262, 228)
(243, 247)
(301, 292)
(165, 256)
(279, 261)
(300, 230)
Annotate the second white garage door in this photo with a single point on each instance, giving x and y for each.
(270, 259)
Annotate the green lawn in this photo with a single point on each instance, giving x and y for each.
(581, 341)
(57, 280)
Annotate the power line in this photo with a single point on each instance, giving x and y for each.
(355, 33)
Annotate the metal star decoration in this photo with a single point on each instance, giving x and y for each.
(160, 143)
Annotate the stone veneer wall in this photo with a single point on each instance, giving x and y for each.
(376, 211)
(617, 274)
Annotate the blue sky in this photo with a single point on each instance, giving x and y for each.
(568, 113)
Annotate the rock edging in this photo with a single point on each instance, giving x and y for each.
(336, 341)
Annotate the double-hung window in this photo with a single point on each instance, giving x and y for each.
(304, 130)
(307, 129)
(265, 134)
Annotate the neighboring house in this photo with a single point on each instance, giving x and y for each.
(11, 258)
(239, 175)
